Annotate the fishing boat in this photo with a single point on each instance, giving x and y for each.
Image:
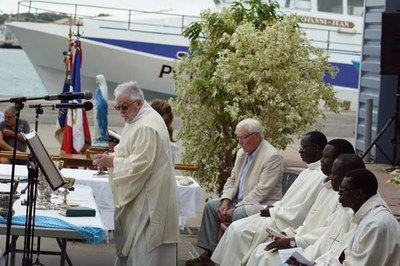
(7, 39)
(128, 44)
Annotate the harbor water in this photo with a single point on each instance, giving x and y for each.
(17, 75)
(18, 78)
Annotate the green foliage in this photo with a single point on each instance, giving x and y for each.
(246, 63)
(396, 179)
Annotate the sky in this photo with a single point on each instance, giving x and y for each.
(11, 6)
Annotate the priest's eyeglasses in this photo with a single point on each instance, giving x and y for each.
(239, 138)
(123, 107)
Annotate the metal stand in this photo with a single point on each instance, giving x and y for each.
(33, 172)
(29, 225)
(18, 106)
(395, 118)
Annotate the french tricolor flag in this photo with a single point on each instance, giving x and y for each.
(76, 131)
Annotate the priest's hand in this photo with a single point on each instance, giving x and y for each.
(283, 243)
(265, 212)
(103, 160)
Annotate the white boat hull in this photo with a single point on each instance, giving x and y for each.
(113, 62)
(144, 49)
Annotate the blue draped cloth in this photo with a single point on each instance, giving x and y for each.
(102, 111)
(94, 235)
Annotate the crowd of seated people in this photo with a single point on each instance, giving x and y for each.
(332, 211)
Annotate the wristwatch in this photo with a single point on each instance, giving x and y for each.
(292, 243)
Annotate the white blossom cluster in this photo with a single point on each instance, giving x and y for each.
(240, 69)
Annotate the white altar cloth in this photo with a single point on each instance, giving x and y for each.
(190, 197)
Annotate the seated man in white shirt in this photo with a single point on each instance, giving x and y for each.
(255, 178)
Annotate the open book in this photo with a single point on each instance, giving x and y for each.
(113, 134)
(46, 164)
(293, 256)
(275, 234)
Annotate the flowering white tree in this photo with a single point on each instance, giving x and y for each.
(246, 63)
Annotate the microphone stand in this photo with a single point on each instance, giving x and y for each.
(18, 106)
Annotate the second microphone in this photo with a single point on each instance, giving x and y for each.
(86, 105)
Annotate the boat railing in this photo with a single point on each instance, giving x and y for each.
(163, 22)
(117, 17)
(335, 41)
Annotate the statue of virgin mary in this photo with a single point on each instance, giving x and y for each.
(100, 114)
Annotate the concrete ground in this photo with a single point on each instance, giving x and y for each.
(85, 254)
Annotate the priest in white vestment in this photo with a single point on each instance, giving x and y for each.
(324, 205)
(291, 210)
(143, 184)
(376, 238)
(315, 224)
(340, 228)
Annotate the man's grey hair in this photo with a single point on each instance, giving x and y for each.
(11, 109)
(132, 88)
(252, 126)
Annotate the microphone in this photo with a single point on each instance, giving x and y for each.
(86, 105)
(67, 96)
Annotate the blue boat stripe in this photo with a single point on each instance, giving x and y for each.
(165, 50)
(346, 77)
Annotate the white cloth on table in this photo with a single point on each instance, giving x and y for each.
(101, 190)
(82, 195)
(190, 197)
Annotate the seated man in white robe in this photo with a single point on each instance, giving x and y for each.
(266, 255)
(291, 210)
(244, 235)
(376, 238)
(256, 179)
(340, 226)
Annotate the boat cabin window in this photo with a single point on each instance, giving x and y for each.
(331, 6)
(355, 7)
(295, 4)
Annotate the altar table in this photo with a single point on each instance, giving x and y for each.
(82, 195)
(190, 197)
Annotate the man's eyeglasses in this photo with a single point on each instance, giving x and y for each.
(123, 107)
(239, 138)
